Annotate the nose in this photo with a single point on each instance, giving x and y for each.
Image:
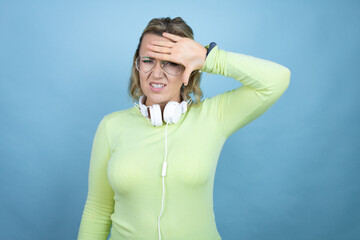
(158, 71)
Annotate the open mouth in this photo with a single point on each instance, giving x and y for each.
(156, 87)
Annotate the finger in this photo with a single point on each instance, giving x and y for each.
(161, 56)
(186, 76)
(163, 43)
(158, 49)
(171, 36)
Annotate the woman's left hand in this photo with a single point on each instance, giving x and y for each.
(181, 50)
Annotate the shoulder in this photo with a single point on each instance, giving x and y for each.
(210, 103)
(206, 106)
(119, 115)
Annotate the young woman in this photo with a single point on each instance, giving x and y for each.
(153, 165)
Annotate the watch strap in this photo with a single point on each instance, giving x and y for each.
(210, 47)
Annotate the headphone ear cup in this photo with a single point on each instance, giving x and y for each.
(143, 108)
(183, 106)
(155, 115)
(172, 112)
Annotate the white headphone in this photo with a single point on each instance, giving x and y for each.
(172, 111)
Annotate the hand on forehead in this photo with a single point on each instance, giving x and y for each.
(150, 38)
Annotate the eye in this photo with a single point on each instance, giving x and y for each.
(170, 63)
(147, 60)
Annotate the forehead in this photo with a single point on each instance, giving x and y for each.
(148, 38)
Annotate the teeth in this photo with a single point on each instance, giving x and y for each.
(157, 85)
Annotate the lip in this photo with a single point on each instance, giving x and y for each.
(156, 89)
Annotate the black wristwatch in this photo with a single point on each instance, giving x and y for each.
(211, 46)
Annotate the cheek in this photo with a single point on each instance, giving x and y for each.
(142, 82)
(177, 82)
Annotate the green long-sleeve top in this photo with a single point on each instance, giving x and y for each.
(125, 183)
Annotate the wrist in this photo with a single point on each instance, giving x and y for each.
(210, 47)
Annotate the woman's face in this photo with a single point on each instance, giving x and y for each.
(172, 84)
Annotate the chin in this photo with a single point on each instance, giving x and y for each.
(156, 98)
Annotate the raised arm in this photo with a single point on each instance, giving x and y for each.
(96, 222)
(263, 83)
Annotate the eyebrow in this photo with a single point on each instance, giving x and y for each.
(151, 58)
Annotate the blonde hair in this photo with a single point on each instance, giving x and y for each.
(176, 26)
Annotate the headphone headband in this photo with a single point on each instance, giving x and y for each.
(172, 111)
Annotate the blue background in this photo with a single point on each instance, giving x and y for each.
(293, 173)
